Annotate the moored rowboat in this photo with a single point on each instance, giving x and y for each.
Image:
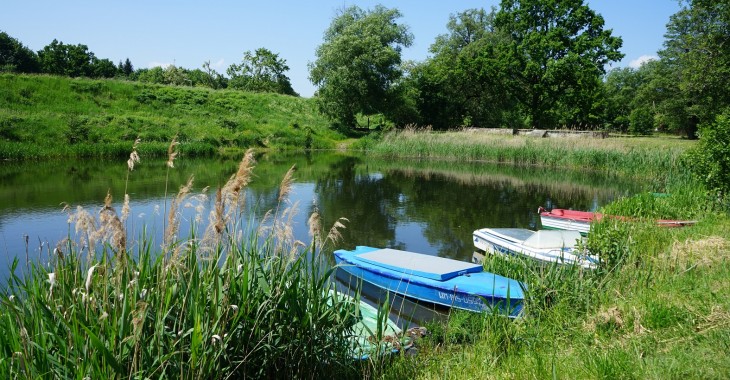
(545, 246)
(562, 219)
(433, 279)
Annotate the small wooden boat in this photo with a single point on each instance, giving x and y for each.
(545, 245)
(562, 219)
(433, 279)
(373, 334)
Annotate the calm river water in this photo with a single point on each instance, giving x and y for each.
(429, 207)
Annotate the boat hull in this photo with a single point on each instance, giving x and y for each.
(479, 292)
(553, 223)
(561, 219)
(494, 242)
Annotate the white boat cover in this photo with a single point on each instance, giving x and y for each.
(418, 264)
(549, 239)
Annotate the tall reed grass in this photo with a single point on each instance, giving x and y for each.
(236, 300)
(646, 159)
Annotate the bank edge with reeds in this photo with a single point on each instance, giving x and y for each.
(240, 299)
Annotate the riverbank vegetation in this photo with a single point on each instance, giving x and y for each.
(646, 158)
(237, 298)
(47, 116)
(653, 310)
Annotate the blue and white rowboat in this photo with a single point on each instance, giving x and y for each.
(547, 246)
(434, 279)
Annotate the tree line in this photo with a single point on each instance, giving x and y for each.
(529, 63)
(259, 71)
(526, 64)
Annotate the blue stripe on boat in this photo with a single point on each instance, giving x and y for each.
(475, 291)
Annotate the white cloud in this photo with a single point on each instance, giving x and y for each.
(635, 64)
(158, 64)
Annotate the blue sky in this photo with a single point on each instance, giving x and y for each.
(189, 33)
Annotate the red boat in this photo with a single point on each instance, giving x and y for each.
(562, 219)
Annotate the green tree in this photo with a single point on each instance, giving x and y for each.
(153, 75)
(212, 78)
(126, 68)
(556, 55)
(70, 60)
(261, 71)
(103, 68)
(463, 84)
(358, 64)
(641, 121)
(697, 57)
(14, 57)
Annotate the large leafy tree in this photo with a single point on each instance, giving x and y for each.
(636, 100)
(261, 71)
(359, 63)
(557, 53)
(14, 57)
(697, 58)
(65, 59)
(463, 84)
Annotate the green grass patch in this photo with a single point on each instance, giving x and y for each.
(59, 116)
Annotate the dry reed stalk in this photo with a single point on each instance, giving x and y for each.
(334, 234)
(283, 230)
(125, 208)
(286, 184)
(111, 228)
(315, 226)
(239, 180)
(84, 225)
(173, 222)
(216, 225)
(134, 156)
(172, 153)
(219, 221)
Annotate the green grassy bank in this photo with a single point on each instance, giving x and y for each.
(47, 116)
(656, 309)
(637, 157)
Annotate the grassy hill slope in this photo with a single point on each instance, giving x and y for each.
(43, 116)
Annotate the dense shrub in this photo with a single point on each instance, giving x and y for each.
(710, 159)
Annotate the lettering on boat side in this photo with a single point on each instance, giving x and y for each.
(470, 300)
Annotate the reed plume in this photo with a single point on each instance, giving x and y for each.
(172, 152)
(286, 184)
(315, 227)
(173, 222)
(334, 234)
(134, 156)
(219, 221)
(239, 180)
(111, 228)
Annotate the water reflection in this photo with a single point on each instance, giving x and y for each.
(423, 206)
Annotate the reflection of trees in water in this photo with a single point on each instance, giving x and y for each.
(451, 204)
(366, 200)
(445, 201)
